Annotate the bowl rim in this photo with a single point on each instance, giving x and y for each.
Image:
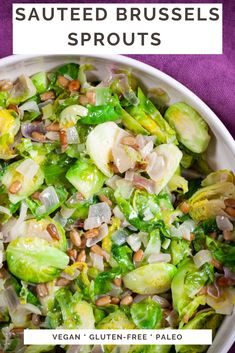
(213, 119)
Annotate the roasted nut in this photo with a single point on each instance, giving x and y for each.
(63, 140)
(127, 300)
(138, 255)
(103, 301)
(99, 251)
(74, 86)
(115, 300)
(61, 282)
(118, 282)
(47, 95)
(230, 211)
(81, 256)
(75, 237)
(53, 127)
(15, 187)
(91, 233)
(14, 107)
(217, 264)
(5, 85)
(38, 136)
(42, 290)
(228, 235)
(72, 253)
(36, 195)
(104, 198)
(184, 207)
(52, 230)
(62, 81)
(229, 203)
(91, 96)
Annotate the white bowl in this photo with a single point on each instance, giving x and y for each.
(221, 151)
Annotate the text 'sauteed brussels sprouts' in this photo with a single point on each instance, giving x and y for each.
(111, 217)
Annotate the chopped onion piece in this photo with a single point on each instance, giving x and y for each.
(92, 222)
(111, 182)
(72, 135)
(162, 301)
(23, 213)
(134, 241)
(66, 212)
(101, 210)
(125, 187)
(145, 183)
(129, 175)
(202, 257)
(224, 223)
(147, 149)
(30, 106)
(28, 168)
(118, 213)
(119, 237)
(11, 299)
(30, 307)
(53, 135)
(186, 228)
(49, 199)
(159, 258)
(97, 261)
(148, 214)
(5, 210)
(156, 165)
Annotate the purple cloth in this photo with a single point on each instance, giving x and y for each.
(211, 77)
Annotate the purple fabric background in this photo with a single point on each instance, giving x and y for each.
(211, 77)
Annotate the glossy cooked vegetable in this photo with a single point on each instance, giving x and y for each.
(111, 217)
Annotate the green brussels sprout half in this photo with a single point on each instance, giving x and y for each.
(116, 320)
(28, 185)
(35, 260)
(191, 129)
(9, 126)
(22, 90)
(208, 201)
(85, 177)
(150, 279)
(40, 81)
(204, 320)
(146, 314)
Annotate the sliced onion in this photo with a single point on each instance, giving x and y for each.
(53, 135)
(20, 220)
(28, 128)
(119, 237)
(145, 183)
(122, 159)
(229, 274)
(118, 213)
(224, 223)
(162, 301)
(30, 106)
(159, 258)
(98, 261)
(101, 210)
(140, 140)
(125, 187)
(11, 299)
(129, 175)
(186, 228)
(140, 297)
(92, 222)
(148, 214)
(30, 307)
(103, 232)
(28, 168)
(213, 291)
(5, 210)
(111, 182)
(202, 257)
(134, 242)
(147, 149)
(156, 165)
(66, 212)
(72, 135)
(49, 199)
(76, 273)
(224, 303)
